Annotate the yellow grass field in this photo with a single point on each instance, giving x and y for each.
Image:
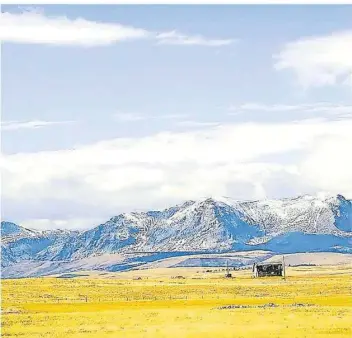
(311, 302)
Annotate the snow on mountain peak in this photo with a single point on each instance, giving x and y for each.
(321, 222)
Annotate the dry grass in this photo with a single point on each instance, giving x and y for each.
(160, 306)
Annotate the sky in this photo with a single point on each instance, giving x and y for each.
(110, 109)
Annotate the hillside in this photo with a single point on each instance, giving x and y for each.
(303, 224)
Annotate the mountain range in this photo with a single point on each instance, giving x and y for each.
(321, 223)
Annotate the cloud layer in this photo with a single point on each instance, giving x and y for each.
(34, 27)
(176, 38)
(243, 161)
(18, 125)
(319, 61)
(320, 107)
(134, 117)
(318, 110)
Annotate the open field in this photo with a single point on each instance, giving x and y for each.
(311, 302)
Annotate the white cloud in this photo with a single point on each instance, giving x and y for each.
(243, 161)
(318, 106)
(176, 38)
(16, 125)
(133, 117)
(34, 27)
(72, 224)
(329, 164)
(324, 108)
(264, 107)
(197, 124)
(319, 61)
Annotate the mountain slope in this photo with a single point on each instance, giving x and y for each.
(12, 229)
(19, 244)
(305, 223)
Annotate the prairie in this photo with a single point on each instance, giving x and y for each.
(180, 302)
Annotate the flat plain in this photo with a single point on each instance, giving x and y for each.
(181, 302)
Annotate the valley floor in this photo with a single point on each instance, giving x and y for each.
(181, 302)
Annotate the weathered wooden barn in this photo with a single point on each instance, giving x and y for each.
(268, 269)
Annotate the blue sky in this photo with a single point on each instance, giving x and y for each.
(167, 103)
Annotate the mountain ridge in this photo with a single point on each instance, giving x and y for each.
(308, 223)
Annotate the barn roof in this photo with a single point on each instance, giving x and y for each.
(269, 263)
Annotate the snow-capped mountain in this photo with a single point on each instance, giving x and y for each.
(305, 223)
(9, 229)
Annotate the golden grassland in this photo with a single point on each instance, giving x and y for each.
(311, 302)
